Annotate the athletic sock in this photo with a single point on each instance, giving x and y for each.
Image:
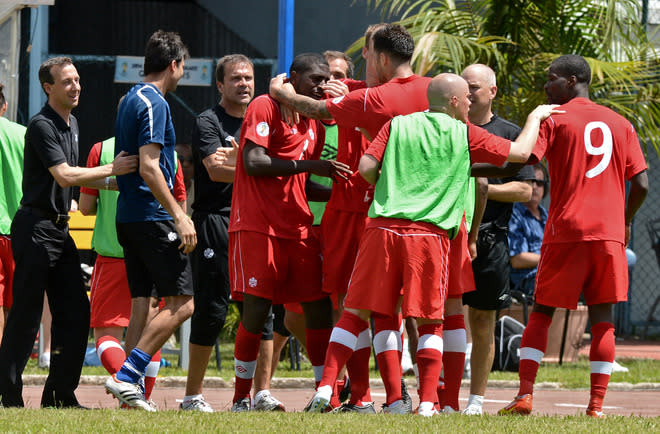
(134, 366)
(110, 352)
(601, 358)
(357, 367)
(453, 359)
(532, 347)
(387, 345)
(475, 401)
(429, 360)
(246, 349)
(316, 341)
(342, 342)
(150, 374)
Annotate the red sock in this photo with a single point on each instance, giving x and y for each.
(387, 344)
(358, 369)
(532, 347)
(246, 348)
(429, 360)
(342, 342)
(111, 354)
(601, 357)
(453, 359)
(150, 374)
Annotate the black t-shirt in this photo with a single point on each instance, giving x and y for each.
(500, 212)
(211, 129)
(49, 141)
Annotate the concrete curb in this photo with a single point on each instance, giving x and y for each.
(308, 383)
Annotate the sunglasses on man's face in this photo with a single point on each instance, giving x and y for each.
(539, 182)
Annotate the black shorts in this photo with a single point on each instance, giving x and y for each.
(210, 268)
(267, 334)
(153, 259)
(278, 321)
(491, 271)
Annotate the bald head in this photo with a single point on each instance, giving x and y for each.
(448, 93)
(481, 72)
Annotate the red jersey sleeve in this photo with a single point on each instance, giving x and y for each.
(348, 110)
(545, 137)
(259, 120)
(635, 162)
(486, 147)
(179, 186)
(377, 147)
(93, 161)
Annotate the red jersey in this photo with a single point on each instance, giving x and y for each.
(591, 151)
(274, 205)
(179, 191)
(354, 195)
(370, 108)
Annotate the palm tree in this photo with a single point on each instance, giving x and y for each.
(519, 39)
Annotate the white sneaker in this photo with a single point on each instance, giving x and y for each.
(397, 407)
(320, 401)
(426, 409)
(473, 410)
(616, 367)
(240, 406)
(196, 404)
(44, 360)
(448, 410)
(128, 393)
(267, 402)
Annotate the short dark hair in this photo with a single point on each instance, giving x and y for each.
(332, 55)
(305, 61)
(230, 59)
(44, 70)
(368, 34)
(162, 48)
(2, 95)
(572, 64)
(395, 41)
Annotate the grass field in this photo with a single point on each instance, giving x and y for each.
(112, 421)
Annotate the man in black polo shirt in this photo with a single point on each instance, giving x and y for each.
(45, 255)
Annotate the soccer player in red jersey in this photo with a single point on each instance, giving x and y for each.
(592, 152)
(406, 242)
(388, 54)
(272, 256)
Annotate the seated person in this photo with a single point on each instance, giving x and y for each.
(526, 234)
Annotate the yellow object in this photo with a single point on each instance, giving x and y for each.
(81, 228)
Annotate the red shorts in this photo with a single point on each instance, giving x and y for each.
(341, 233)
(6, 272)
(278, 269)
(110, 297)
(597, 269)
(396, 261)
(461, 278)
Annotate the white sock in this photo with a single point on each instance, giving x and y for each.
(475, 400)
(189, 398)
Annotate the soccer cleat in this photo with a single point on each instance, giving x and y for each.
(268, 402)
(426, 409)
(345, 392)
(127, 393)
(595, 414)
(472, 410)
(397, 407)
(448, 410)
(366, 408)
(405, 397)
(520, 405)
(318, 403)
(241, 405)
(196, 404)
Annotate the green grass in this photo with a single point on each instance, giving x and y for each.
(111, 421)
(570, 375)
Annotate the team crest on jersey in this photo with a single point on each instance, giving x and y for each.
(172, 236)
(252, 282)
(338, 99)
(209, 253)
(263, 129)
(294, 130)
(311, 134)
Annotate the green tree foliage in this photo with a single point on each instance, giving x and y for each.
(519, 39)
